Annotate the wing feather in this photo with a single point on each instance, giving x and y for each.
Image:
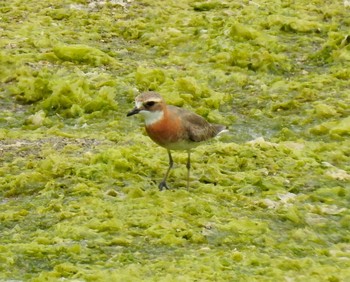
(197, 128)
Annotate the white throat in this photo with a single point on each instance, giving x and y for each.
(152, 117)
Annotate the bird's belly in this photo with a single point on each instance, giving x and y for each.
(172, 142)
(170, 135)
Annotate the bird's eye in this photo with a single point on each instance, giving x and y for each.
(150, 103)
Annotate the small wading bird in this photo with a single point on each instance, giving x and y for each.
(173, 128)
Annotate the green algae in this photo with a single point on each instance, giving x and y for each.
(82, 54)
(78, 180)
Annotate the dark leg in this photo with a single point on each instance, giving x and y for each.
(162, 184)
(188, 165)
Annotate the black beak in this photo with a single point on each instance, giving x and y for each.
(134, 111)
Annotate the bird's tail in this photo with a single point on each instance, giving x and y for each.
(220, 129)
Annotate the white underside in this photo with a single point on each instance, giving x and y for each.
(222, 132)
(188, 145)
(151, 117)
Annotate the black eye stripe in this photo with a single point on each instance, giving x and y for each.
(150, 103)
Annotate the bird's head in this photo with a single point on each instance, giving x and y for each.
(150, 105)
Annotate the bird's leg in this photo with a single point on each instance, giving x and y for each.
(162, 184)
(188, 165)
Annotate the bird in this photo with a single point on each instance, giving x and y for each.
(173, 128)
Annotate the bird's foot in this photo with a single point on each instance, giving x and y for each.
(163, 186)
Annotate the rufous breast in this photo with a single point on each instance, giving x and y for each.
(166, 131)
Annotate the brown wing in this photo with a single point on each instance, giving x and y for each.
(196, 127)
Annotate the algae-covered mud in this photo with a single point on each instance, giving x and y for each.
(78, 180)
